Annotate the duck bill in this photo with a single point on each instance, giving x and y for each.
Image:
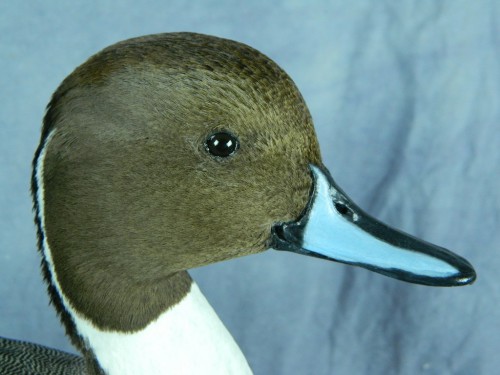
(332, 227)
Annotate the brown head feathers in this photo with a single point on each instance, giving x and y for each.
(131, 196)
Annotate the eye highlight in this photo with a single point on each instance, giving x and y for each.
(222, 144)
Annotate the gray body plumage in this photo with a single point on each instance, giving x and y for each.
(23, 358)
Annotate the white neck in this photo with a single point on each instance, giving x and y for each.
(188, 338)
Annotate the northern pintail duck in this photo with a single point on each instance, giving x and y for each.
(173, 151)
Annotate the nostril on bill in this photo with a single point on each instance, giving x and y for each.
(342, 209)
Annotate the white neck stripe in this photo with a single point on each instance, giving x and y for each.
(188, 338)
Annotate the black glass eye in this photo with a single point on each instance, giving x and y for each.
(222, 144)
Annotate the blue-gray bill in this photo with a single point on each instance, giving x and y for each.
(332, 227)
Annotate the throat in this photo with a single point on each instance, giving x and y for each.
(165, 327)
(188, 338)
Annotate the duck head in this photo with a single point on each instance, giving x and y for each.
(173, 151)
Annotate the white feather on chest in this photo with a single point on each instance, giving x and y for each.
(188, 338)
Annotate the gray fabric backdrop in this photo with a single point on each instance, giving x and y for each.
(405, 97)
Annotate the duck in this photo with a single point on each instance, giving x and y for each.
(172, 151)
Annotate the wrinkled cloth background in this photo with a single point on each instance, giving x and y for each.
(406, 100)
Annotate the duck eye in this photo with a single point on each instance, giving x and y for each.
(222, 144)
